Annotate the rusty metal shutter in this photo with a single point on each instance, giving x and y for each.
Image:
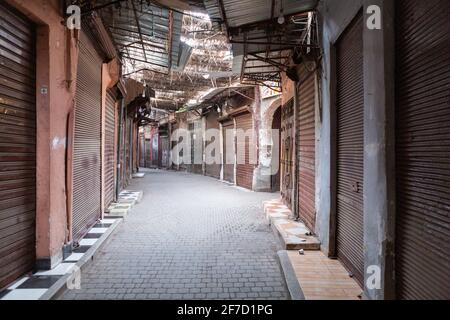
(244, 167)
(212, 123)
(228, 140)
(87, 140)
(423, 150)
(17, 145)
(350, 148)
(307, 148)
(110, 133)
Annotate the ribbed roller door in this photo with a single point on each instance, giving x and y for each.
(244, 167)
(307, 148)
(87, 140)
(17, 145)
(228, 151)
(350, 148)
(173, 144)
(213, 170)
(423, 149)
(110, 131)
(165, 151)
(195, 131)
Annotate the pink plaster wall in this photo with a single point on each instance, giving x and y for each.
(56, 67)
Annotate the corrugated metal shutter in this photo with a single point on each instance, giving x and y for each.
(423, 149)
(142, 163)
(287, 152)
(244, 167)
(212, 123)
(350, 148)
(307, 148)
(228, 140)
(17, 145)
(165, 151)
(195, 131)
(110, 131)
(87, 140)
(155, 150)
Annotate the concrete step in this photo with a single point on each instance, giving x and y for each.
(294, 235)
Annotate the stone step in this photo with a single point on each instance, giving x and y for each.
(294, 235)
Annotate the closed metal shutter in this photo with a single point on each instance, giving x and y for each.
(287, 152)
(87, 140)
(228, 148)
(165, 151)
(423, 150)
(307, 149)
(212, 123)
(110, 133)
(350, 148)
(155, 150)
(17, 145)
(195, 131)
(142, 163)
(244, 167)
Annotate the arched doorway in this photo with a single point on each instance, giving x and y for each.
(276, 154)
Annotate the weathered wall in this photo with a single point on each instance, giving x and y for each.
(263, 172)
(56, 70)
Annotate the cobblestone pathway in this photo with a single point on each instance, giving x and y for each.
(191, 237)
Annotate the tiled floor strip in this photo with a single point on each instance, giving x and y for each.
(34, 286)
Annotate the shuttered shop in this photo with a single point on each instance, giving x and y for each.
(350, 142)
(110, 130)
(423, 150)
(228, 151)
(307, 148)
(86, 153)
(212, 167)
(17, 145)
(244, 165)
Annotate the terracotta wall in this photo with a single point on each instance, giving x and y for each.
(56, 71)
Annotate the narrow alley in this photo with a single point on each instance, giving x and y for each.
(224, 150)
(211, 241)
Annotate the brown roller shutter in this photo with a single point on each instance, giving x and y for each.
(350, 148)
(228, 148)
(17, 145)
(423, 149)
(87, 140)
(212, 123)
(307, 148)
(173, 144)
(165, 151)
(244, 167)
(110, 129)
(195, 131)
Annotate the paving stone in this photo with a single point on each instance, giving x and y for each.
(210, 242)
